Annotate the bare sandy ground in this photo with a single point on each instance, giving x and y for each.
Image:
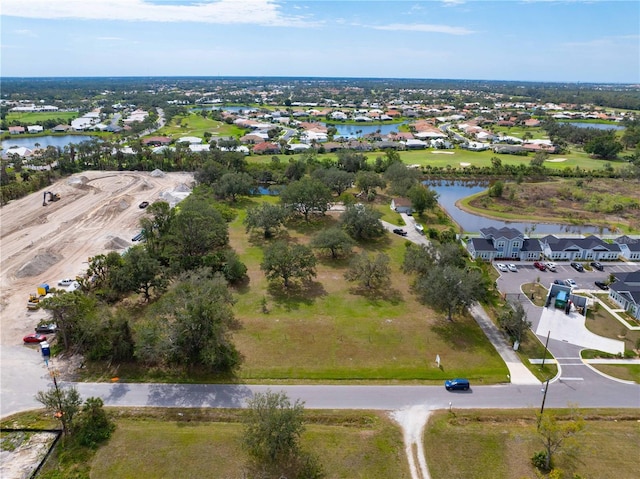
(98, 212)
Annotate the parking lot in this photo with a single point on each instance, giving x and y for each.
(509, 282)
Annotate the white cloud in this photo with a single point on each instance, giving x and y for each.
(423, 27)
(110, 39)
(452, 3)
(25, 32)
(257, 12)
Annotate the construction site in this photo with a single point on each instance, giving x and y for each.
(86, 214)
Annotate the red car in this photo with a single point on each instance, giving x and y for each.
(34, 338)
(540, 266)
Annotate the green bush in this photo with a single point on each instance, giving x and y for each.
(539, 461)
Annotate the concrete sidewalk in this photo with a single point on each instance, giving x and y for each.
(517, 371)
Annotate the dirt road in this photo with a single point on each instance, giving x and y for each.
(97, 212)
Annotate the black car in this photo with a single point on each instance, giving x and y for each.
(143, 205)
(558, 281)
(601, 285)
(577, 266)
(46, 328)
(597, 265)
(400, 231)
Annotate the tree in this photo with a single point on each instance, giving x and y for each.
(336, 180)
(273, 427)
(362, 222)
(513, 319)
(604, 146)
(266, 217)
(306, 196)
(422, 198)
(401, 178)
(64, 403)
(370, 273)
(93, 426)
(286, 262)
(140, 273)
(555, 433)
(335, 240)
(231, 185)
(496, 189)
(368, 181)
(351, 161)
(156, 226)
(70, 313)
(448, 288)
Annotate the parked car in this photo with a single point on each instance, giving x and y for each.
(539, 265)
(502, 267)
(66, 282)
(46, 328)
(143, 205)
(551, 266)
(559, 281)
(597, 265)
(512, 267)
(570, 282)
(601, 285)
(577, 266)
(400, 231)
(456, 384)
(34, 338)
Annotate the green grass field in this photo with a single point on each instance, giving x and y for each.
(331, 331)
(34, 117)
(493, 444)
(196, 125)
(349, 445)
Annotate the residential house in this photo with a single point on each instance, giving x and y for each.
(60, 128)
(629, 247)
(157, 141)
(401, 205)
(266, 148)
(35, 129)
(625, 291)
(507, 243)
(16, 130)
(590, 248)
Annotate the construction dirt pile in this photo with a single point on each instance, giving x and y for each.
(78, 181)
(157, 173)
(38, 264)
(117, 243)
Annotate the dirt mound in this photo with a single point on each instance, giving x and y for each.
(78, 181)
(157, 173)
(182, 188)
(38, 264)
(117, 243)
(145, 186)
(123, 204)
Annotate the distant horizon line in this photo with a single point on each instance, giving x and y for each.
(80, 77)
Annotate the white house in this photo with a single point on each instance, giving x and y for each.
(35, 129)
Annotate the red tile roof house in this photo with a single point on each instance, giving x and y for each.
(532, 122)
(16, 130)
(265, 148)
(251, 139)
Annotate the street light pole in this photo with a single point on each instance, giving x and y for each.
(544, 355)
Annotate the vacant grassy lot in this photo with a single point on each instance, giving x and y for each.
(196, 125)
(329, 330)
(610, 203)
(34, 117)
(493, 444)
(349, 445)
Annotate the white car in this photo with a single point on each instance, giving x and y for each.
(570, 282)
(550, 266)
(512, 267)
(66, 282)
(501, 267)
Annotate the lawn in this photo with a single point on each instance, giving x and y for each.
(348, 444)
(34, 117)
(331, 331)
(196, 125)
(493, 444)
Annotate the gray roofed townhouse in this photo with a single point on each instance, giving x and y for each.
(590, 248)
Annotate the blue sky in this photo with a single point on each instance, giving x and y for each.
(527, 40)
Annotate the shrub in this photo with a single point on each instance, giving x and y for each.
(539, 460)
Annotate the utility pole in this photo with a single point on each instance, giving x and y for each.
(544, 398)
(544, 355)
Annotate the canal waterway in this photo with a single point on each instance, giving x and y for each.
(451, 191)
(359, 130)
(597, 126)
(44, 141)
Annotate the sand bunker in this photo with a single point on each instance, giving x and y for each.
(556, 160)
(117, 243)
(157, 173)
(38, 264)
(442, 152)
(465, 164)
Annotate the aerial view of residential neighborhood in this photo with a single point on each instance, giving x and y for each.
(310, 239)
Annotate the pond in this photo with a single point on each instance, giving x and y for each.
(44, 141)
(451, 191)
(598, 126)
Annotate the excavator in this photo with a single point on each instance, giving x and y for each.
(52, 197)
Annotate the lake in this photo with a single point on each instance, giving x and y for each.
(451, 191)
(597, 126)
(44, 141)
